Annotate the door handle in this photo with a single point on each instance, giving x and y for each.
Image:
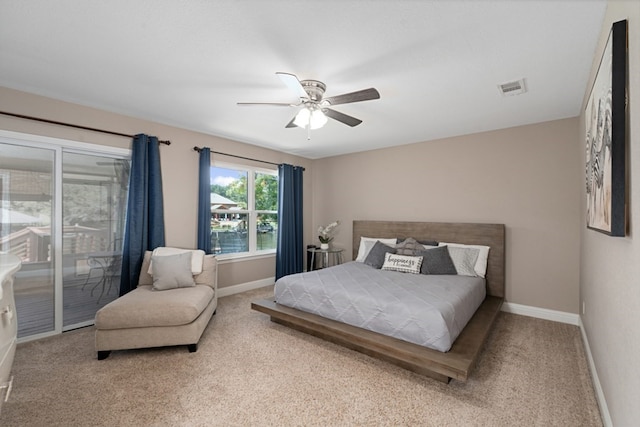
(7, 312)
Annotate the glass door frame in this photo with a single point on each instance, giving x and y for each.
(58, 146)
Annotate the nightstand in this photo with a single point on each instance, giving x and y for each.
(328, 257)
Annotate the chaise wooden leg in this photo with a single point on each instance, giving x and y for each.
(103, 354)
(192, 348)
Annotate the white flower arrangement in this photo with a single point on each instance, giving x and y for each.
(325, 234)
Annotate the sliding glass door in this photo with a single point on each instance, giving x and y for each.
(94, 196)
(63, 214)
(27, 201)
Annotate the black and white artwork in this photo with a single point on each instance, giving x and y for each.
(605, 138)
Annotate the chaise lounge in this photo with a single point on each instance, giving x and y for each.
(154, 316)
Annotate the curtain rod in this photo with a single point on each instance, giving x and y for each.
(238, 157)
(37, 119)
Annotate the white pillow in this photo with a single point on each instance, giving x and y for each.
(464, 260)
(366, 244)
(197, 258)
(402, 263)
(480, 266)
(172, 271)
(429, 246)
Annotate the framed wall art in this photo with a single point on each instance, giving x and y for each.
(605, 138)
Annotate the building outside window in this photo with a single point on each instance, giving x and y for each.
(244, 210)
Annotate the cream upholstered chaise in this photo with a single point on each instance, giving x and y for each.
(146, 317)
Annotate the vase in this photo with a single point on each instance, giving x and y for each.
(324, 246)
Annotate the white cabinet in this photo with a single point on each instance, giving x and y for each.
(9, 264)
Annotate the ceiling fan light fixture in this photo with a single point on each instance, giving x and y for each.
(313, 118)
(302, 118)
(318, 119)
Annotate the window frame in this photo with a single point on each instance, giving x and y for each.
(251, 211)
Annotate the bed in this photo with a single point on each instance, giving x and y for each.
(440, 364)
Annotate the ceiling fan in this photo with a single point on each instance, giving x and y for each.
(316, 109)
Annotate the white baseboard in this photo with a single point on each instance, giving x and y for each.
(602, 402)
(541, 313)
(243, 287)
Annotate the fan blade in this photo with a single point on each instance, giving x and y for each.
(291, 124)
(293, 83)
(271, 104)
(341, 117)
(361, 95)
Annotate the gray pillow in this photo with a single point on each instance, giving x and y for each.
(422, 242)
(172, 271)
(376, 255)
(436, 261)
(408, 246)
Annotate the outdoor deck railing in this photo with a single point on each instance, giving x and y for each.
(33, 244)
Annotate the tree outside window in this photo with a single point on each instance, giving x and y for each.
(244, 210)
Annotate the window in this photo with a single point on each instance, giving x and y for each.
(244, 210)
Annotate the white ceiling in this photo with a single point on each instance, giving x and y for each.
(436, 64)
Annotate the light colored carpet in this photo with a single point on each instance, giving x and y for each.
(249, 371)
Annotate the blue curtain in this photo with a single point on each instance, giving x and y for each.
(144, 223)
(290, 252)
(204, 201)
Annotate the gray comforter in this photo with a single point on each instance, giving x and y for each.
(428, 310)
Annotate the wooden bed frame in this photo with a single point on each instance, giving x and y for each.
(458, 362)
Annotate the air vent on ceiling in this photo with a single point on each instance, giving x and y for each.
(516, 87)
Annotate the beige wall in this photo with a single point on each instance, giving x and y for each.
(179, 164)
(526, 177)
(610, 266)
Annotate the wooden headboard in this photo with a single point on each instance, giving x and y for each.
(492, 235)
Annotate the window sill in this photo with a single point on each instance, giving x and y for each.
(231, 258)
